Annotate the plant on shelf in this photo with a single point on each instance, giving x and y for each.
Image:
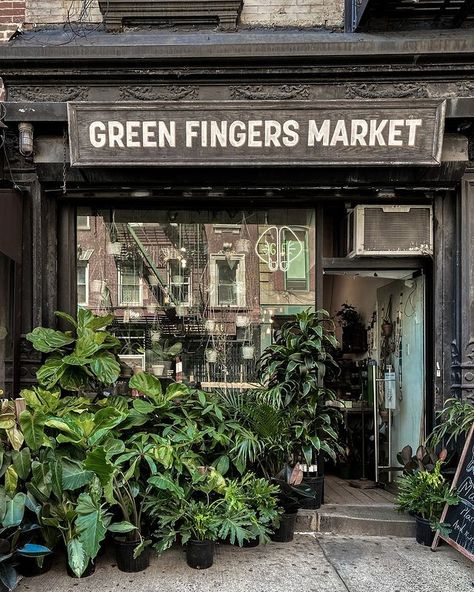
(80, 360)
(163, 354)
(425, 493)
(354, 334)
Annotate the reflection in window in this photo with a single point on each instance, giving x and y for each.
(227, 280)
(130, 286)
(179, 281)
(296, 252)
(82, 283)
(83, 223)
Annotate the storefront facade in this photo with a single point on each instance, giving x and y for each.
(204, 200)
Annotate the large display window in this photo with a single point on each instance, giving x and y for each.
(196, 294)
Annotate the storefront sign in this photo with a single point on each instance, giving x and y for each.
(244, 133)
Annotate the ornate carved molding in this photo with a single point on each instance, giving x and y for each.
(48, 93)
(409, 90)
(259, 92)
(366, 90)
(157, 93)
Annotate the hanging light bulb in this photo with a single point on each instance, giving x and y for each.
(184, 263)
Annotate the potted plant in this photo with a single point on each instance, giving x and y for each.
(248, 352)
(164, 354)
(13, 531)
(83, 359)
(131, 547)
(354, 334)
(425, 493)
(292, 371)
(211, 355)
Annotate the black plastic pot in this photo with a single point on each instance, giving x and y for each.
(285, 532)
(200, 554)
(251, 543)
(90, 569)
(124, 555)
(30, 566)
(424, 532)
(317, 485)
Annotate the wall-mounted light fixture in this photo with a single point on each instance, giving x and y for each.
(25, 138)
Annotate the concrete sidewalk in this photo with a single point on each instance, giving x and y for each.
(312, 563)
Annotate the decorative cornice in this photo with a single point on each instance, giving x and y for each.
(402, 90)
(409, 90)
(259, 92)
(48, 93)
(157, 93)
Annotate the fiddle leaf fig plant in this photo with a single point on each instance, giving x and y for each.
(80, 359)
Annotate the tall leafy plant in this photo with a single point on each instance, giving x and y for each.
(293, 370)
(80, 359)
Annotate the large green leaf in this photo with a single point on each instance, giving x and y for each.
(104, 421)
(11, 480)
(22, 462)
(16, 437)
(74, 378)
(32, 425)
(15, 510)
(51, 372)
(49, 340)
(105, 367)
(147, 384)
(75, 475)
(90, 524)
(166, 483)
(66, 317)
(121, 527)
(96, 461)
(87, 320)
(76, 557)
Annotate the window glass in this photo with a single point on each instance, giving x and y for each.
(82, 283)
(217, 283)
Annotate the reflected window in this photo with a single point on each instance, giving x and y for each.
(130, 284)
(83, 223)
(82, 283)
(179, 281)
(296, 253)
(227, 280)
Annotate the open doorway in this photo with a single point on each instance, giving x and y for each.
(380, 325)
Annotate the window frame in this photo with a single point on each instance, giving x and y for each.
(120, 288)
(214, 280)
(187, 282)
(86, 226)
(82, 263)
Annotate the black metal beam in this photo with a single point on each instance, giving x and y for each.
(466, 9)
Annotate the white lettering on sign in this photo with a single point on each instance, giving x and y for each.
(255, 133)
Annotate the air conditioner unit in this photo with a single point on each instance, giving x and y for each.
(390, 230)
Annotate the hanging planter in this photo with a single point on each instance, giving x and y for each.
(242, 245)
(248, 352)
(211, 355)
(242, 321)
(97, 286)
(210, 325)
(114, 248)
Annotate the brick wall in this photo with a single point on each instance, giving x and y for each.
(12, 15)
(279, 13)
(298, 13)
(39, 12)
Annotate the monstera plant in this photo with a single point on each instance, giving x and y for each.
(77, 360)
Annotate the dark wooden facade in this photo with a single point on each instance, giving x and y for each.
(41, 78)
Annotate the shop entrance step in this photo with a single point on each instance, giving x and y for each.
(375, 520)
